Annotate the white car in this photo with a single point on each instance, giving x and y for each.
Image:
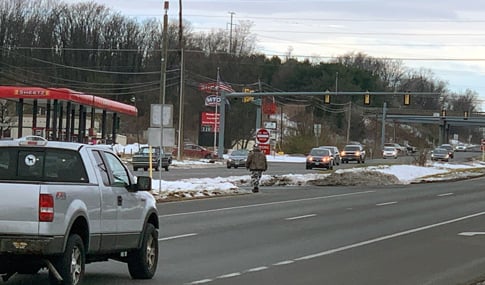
(401, 150)
(460, 147)
(390, 152)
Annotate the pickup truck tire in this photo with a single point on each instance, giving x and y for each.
(71, 263)
(142, 263)
(166, 168)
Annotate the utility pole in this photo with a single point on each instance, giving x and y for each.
(259, 105)
(180, 142)
(230, 32)
(336, 83)
(383, 127)
(348, 121)
(163, 79)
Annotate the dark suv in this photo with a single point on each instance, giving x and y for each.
(353, 153)
(141, 159)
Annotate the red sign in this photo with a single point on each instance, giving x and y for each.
(265, 148)
(208, 118)
(262, 136)
(209, 122)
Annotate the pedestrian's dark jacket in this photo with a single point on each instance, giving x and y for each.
(256, 160)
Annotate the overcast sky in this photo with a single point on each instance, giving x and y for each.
(446, 36)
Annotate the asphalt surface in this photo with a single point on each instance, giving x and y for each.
(404, 234)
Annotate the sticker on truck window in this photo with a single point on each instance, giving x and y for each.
(30, 160)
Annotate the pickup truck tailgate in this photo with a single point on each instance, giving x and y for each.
(19, 208)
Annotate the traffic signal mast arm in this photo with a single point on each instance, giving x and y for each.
(326, 94)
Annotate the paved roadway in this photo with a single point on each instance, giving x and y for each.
(404, 234)
(278, 168)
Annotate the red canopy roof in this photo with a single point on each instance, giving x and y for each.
(65, 94)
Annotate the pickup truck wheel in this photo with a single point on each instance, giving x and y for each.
(70, 264)
(142, 263)
(166, 168)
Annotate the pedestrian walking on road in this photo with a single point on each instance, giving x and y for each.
(256, 163)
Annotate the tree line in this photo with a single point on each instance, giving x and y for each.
(90, 48)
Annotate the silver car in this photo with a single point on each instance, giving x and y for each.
(334, 152)
(237, 158)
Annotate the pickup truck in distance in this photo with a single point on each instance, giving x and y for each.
(68, 204)
(141, 159)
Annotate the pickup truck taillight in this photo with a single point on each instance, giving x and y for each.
(46, 208)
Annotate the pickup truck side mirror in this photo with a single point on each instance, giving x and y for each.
(144, 183)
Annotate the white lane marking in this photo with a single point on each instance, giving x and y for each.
(283, 262)
(355, 245)
(470, 234)
(387, 203)
(445, 194)
(266, 204)
(300, 217)
(201, 281)
(257, 269)
(367, 242)
(229, 275)
(176, 237)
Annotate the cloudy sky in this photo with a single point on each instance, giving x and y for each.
(446, 36)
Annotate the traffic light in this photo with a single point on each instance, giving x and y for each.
(326, 99)
(407, 99)
(366, 98)
(247, 99)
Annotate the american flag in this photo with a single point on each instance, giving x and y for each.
(223, 86)
(216, 87)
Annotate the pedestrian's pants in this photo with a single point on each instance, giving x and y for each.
(255, 177)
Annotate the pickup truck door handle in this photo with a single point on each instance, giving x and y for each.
(120, 201)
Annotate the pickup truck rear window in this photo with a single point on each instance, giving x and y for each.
(33, 164)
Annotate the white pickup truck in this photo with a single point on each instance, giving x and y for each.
(67, 204)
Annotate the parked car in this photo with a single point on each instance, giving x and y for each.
(141, 159)
(353, 153)
(449, 147)
(319, 158)
(440, 154)
(335, 153)
(237, 158)
(196, 151)
(389, 152)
